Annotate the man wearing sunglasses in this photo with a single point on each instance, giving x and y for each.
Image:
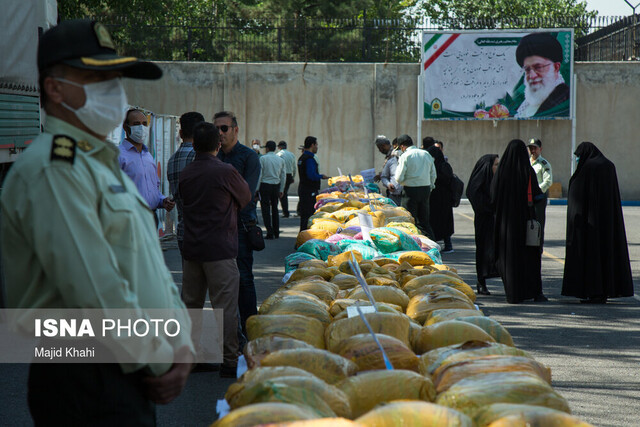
(247, 162)
(545, 92)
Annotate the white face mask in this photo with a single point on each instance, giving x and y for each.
(105, 106)
(139, 133)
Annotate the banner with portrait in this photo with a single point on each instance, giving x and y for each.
(497, 74)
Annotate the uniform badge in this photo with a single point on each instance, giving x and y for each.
(84, 145)
(63, 148)
(104, 39)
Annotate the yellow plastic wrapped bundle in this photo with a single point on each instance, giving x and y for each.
(378, 271)
(471, 394)
(262, 413)
(390, 212)
(344, 178)
(325, 365)
(344, 214)
(379, 280)
(416, 258)
(447, 333)
(420, 306)
(492, 327)
(257, 349)
(295, 326)
(297, 305)
(368, 389)
(352, 203)
(443, 314)
(388, 294)
(413, 413)
(301, 390)
(327, 224)
(304, 272)
(317, 263)
(337, 260)
(363, 350)
(338, 306)
(454, 288)
(384, 262)
(433, 359)
(403, 223)
(320, 422)
(447, 375)
(392, 324)
(258, 375)
(365, 266)
(344, 281)
(329, 208)
(430, 279)
(514, 415)
(305, 235)
(324, 290)
(279, 295)
(444, 267)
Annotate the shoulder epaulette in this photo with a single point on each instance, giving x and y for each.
(63, 148)
(544, 162)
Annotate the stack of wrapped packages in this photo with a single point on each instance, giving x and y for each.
(426, 355)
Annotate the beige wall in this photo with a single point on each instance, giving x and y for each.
(346, 105)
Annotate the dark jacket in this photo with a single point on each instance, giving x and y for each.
(247, 163)
(212, 193)
(308, 182)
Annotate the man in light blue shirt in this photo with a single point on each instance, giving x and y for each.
(136, 161)
(290, 171)
(417, 173)
(272, 181)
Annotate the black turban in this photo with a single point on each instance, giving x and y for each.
(539, 44)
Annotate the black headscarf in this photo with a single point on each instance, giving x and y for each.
(440, 200)
(517, 263)
(479, 186)
(597, 255)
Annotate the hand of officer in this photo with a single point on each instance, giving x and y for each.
(280, 195)
(168, 204)
(165, 388)
(325, 177)
(377, 178)
(391, 187)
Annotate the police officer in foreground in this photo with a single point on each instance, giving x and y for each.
(542, 168)
(77, 234)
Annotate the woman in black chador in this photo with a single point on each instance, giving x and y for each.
(479, 195)
(518, 264)
(441, 200)
(597, 257)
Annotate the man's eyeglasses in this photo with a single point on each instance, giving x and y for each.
(223, 128)
(537, 68)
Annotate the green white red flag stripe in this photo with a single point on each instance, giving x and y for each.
(437, 44)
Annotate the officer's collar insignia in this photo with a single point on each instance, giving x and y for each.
(63, 148)
(84, 145)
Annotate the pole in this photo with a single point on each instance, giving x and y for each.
(420, 108)
(573, 121)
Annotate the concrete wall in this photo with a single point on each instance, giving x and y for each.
(346, 105)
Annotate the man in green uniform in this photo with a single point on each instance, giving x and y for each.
(542, 168)
(76, 233)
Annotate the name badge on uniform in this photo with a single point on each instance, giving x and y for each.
(117, 188)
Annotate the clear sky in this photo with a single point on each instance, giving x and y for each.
(613, 7)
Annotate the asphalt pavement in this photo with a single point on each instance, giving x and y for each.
(592, 350)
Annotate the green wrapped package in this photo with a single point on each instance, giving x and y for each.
(293, 260)
(319, 249)
(389, 240)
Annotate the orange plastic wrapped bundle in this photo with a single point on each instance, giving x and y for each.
(413, 413)
(324, 290)
(420, 306)
(337, 260)
(301, 390)
(305, 235)
(460, 287)
(492, 327)
(433, 359)
(471, 394)
(327, 224)
(514, 415)
(392, 324)
(295, 326)
(447, 333)
(416, 258)
(325, 365)
(258, 375)
(388, 294)
(430, 279)
(257, 349)
(447, 375)
(363, 350)
(344, 214)
(384, 262)
(368, 389)
(443, 314)
(344, 281)
(279, 295)
(262, 413)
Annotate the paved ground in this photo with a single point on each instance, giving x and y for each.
(593, 351)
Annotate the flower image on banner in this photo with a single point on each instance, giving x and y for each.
(498, 74)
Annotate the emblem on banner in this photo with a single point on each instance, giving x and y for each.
(436, 106)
